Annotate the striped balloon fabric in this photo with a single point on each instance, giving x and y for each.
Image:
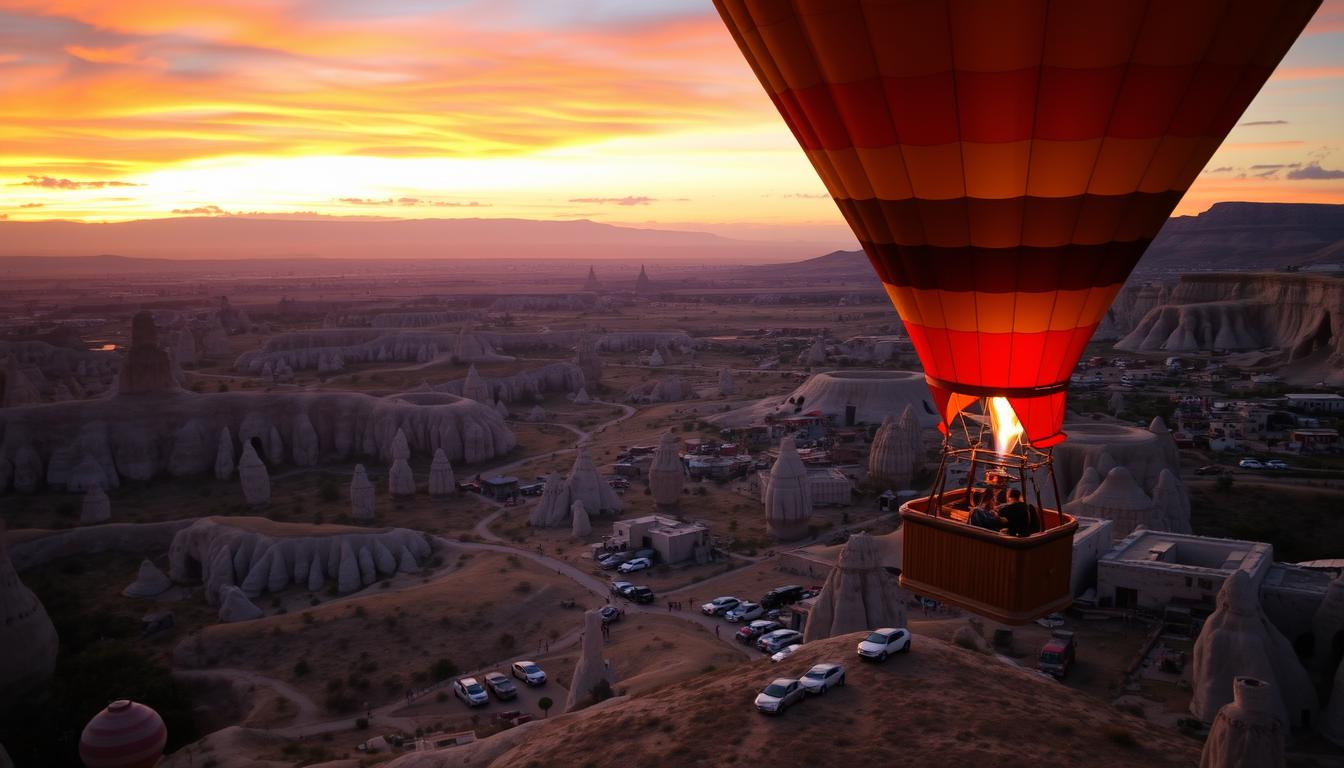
(124, 735)
(1005, 163)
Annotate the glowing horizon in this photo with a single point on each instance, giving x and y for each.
(636, 114)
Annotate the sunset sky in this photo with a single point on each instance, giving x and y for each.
(636, 112)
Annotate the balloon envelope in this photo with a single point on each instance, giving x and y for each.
(1005, 163)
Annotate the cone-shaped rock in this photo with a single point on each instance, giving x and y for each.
(1332, 726)
(1088, 483)
(27, 636)
(581, 397)
(401, 448)
(147, 367)
(1120, 500)
(536, 414)
(1246, 733)
(788, 502)
(224, 455)
(1117, 403)
(476, 388)
(255, 480)
(235, 606)
(441, 475)
(554, 503)
(1172, 503)
(1238, 639)
(361, 495)
(666, 473)
(586, 484)
(591, 667)
(501, 409)
(859, 594)
(1327, 629)
(726, 384)
(149, 582)
(580, 528)
(897, 452)
(96, 507)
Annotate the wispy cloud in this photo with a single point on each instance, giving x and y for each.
(1263, 122)
(32, 205)
(201, 210)
(48, 182)
(628, 200)
(1221, 169)
(411, 202)
(1314, 172)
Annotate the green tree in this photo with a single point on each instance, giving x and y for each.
(546, 705)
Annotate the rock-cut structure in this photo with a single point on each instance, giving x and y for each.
(26, 635)
(579, 525)
(591, 668)
(1239, 640)
(897, 451)
(666, 473)
(859, 594)
(400, 478)
(252, 474)
(361, 495)
(1120, 500)
(1246, 733)
(441, 481)
(584, 484)
(787, 500)
(149, 582)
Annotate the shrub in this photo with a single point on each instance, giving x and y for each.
(442, 669)
(301, 668)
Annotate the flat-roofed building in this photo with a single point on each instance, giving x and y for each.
(1151, 570)
(1316, 402)
(674, 541)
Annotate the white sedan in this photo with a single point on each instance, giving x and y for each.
(822, 678)
(529, 672)
(638, 564)
(1250, 464)
(883, 642)
(745, 612)
(785, 652)
(719, 606)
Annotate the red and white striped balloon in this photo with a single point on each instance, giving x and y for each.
(124, 735)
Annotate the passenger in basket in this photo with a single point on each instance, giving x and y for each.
(983, 514)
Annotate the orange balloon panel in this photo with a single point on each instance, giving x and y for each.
(1005, 163)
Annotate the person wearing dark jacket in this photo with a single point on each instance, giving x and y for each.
(1018, 515)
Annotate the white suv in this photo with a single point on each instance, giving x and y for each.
(470, 692)
(883, 642)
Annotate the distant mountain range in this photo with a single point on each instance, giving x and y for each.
(1228, 237)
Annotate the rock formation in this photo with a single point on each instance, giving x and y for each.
(815, 354)
(969, 636)
(441, 481)
(147, 367)
(224, 455)
(643, 285)
(96, 507)
(873, 395)
(726, 385)
(361, 495)
(149, 582)
(859, 594)
(1105, 446)
(256, 481)
(26, 635)
(1134, 301)
(1246, 733)
(591, 667)
(580, 528)
(1117, 405)
(1327, 630)
(1332, 725)
(258, 555)
(591, 283)
(1239, 640)
(897, 452)
(537, 414)
(476, 388)
(586, 358)
(234, 605)
(584, 484)
(1171, 504)
(788, 504)
(667, 389)
(1120, 500)
(666, 473)
(400, 479)
(552, 506)
(18, 388)
(656, 359)
(581, 397)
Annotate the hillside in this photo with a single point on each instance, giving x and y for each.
(940, 705)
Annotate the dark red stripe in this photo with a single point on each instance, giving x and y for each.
(1005, 270)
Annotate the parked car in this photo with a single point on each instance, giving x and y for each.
(638, 564)
(619, 483)
(1276, 464)
(641, 595)
(781, 596)
(529, 672)
(1058, 654)
(774, 641)
(744, 612)
(470, 692)
(532, 489)
(611, 560)
(621, 588)
(755, 629)
(611, 613)
(719, 606)
(822, 678)
(1250, 464)
(785, 652)
(778, 696)
(1210, 469)
(883, 642)
(502, 686)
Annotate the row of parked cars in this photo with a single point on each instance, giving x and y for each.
(762, 627)
(474, 694)
(633, 592)
(784, 692)
(626, 562)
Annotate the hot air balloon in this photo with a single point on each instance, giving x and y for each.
(1005, 163)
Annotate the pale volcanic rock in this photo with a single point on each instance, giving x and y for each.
(1239, 640)
(1105, 446)
(87, 475)
(536, 414)
(859, 594)
(501, 409)
(304, 448)
(1088, 483)
(18, 388)
(149, 582)
(147, 367)
(667, 475)
(367, 569)
(255, 480)
(550, 510)
(1131, 304)
(587, 359)
(591, 668)
(873, 395)
(184, 347)
(1120, 500)
(1332, 725)
(667, 389)
(897, 451)
(235, 606)
(406, 561)
(190, 454)
(580, 528)
(816, 354)
(26, 634)
(1246, 732)
(727, 386)
(1172, 503)
(1327, 624)
(96, 507)
(581, 397)
(476, 388)
(656, 359)
(361, 495)
(441, 481)
(224, 455)
(400, 479)
(584, 484)
(787, 500)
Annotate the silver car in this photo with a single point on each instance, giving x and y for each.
(778, 695)
(822, 678)
(885, 641)
(774, 641)
(470, 692)
(719, 606)
(745, 612)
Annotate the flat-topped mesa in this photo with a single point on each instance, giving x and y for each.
(147, 368)
(787, 501)
(1239, 640)
(666, 474)
(859, 594)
